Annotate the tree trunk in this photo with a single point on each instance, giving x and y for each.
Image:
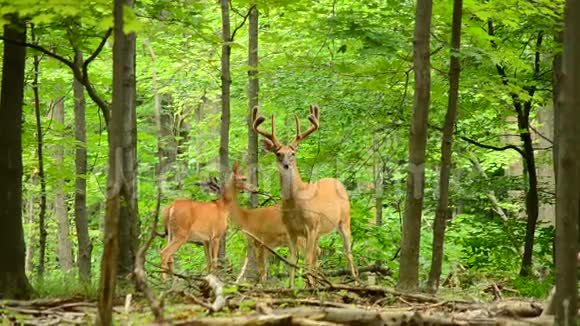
(446, 150)
(81, 217)
(13, 281)
(557, 77)
(253, 97)
(129, 222)
(39, 152)
(532, 200)
(225, 123)
(532, 191)
(378, 171)
(568, 187)
(119, 187)
(410, 241)
(29, 258)
(64, 250)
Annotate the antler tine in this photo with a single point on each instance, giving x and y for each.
(258, 119)
(314, 125)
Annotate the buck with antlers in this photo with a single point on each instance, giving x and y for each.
(308, 210)
(265, 223)
(186, 220)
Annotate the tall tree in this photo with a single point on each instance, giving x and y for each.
(119, 187)
(225, 99)
(522, 108)
(81, 216)
(39, 152)
(129, 222)
(410, 240)
(64, 247)
(253, 101)
(446, 148)
(568, 186)
(13, 281)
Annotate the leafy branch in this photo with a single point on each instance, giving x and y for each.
(245, 17)
(80, 74)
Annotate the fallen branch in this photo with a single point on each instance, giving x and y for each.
(254, 320)
(218, 287)
(274, 252)
(374, 268)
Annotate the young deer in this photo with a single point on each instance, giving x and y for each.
(265, 223)
(308, 210)
(186, 220)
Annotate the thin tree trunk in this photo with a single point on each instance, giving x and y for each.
(378, 171)
(13, 281)
(225, 97)
(410, 241)
(557, 77)
(29, 259)
(446, 150)
(118, 187)
(129, 221)
(64, 249)
(568, 187)
(532, 200)
(81, 217)
(532, 193)
(253, 101)
(42, 234)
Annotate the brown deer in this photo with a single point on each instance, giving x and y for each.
(186, 220)
(308, 210)
(265, 223)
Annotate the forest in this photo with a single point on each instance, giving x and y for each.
(289, 162)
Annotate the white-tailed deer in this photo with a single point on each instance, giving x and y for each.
(186, 220)
(308, 210)
(265, 223)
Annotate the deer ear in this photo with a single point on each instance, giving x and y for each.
(268, 145)
(236, 167)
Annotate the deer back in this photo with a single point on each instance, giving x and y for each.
(196, 221)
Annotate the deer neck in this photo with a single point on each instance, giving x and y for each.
(291, 183)
(229, 193)
(237, 213)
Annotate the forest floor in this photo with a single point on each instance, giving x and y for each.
(208, 301)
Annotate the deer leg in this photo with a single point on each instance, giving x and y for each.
(344, 230)
(311, 242)
(259, 255)
(167, 256)
(293, 257)
(215, 248)
(207, 252)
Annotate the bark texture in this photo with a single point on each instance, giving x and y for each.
(64, 248)
(225, 97)
(119, 182)
(253, 93)
(446, 150)
(129, 219)
(81, 216)
(409, 265)
(13, 281)
(568, 186)
(39, 152)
